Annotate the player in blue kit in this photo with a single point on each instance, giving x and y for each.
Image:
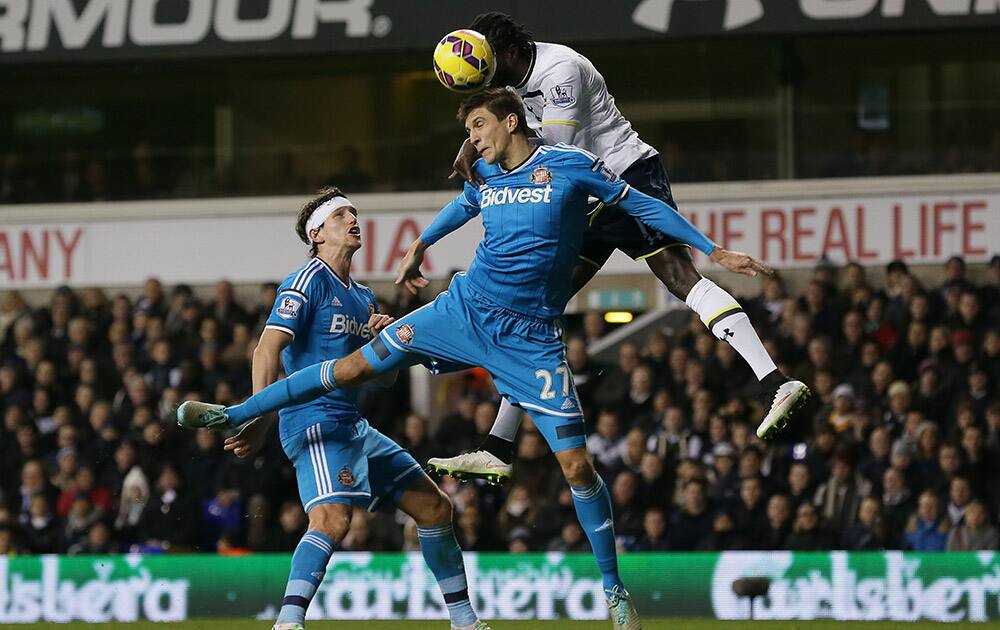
(505, 313)
(341, 462)
(567, 100)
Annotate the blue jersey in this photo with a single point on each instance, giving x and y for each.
(534, 218)
(327, 319)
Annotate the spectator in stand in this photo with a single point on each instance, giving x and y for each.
(838, 498)
(616, 382)
(779, 523)
(285, 536)
(692, 522)
(570, 539)
(868, 533)
(975, 533)
(750, 512)
(927, 529)
(607, 444)
(654, 532)
(807, 534)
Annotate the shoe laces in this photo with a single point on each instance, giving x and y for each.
(616, 599)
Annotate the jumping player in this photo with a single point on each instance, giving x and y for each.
(567, 101)
(341, 462)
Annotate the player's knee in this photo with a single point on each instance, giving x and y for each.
(676, 270)
(332, 520)
(435, 512)
(577, 469)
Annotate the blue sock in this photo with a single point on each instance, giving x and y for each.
(444, 557)
(302, 386)
(308, 568)
(593, 509)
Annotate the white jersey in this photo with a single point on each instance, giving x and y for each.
(567, 100)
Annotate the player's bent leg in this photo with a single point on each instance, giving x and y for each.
(300, 387)
(426, 503)
(675, 269)
(725, 318)
(328, 524)
(593, 509)
(432, 510)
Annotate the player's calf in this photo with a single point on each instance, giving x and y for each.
(593, 509)
(432, 510)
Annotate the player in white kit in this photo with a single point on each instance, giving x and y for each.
(567, 100)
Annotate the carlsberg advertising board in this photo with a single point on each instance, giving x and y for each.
(866, 586)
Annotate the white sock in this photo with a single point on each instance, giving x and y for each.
(725, 318)
(508, 421)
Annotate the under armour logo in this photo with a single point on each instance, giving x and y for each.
(727, 334)
(655, 14)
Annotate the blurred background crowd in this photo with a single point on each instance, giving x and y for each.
(898, 449)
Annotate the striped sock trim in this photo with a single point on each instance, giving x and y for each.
(590, 491)
(318, 540)
(295, 600)
(458, 597)
(435, 532)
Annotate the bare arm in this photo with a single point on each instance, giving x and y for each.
(264, 371)
(377, 323)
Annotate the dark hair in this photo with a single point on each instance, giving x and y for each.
(324, 195)
(500, 102)
(502, 32)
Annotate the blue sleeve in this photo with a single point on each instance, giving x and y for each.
(598, 180)
(659, 216)
(292, 308)
(453, 216)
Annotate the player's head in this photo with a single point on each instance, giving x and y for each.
(329, 220)
(493, 118)
(511, 43)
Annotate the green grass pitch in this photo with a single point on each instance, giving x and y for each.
(647, 624)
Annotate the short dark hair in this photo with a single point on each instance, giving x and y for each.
(502, 32)
(500, 102)
(324, 195)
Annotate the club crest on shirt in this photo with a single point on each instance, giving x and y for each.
(289, 308)
(345, 477)
(562, 95)
(541, 175)
(404, 333)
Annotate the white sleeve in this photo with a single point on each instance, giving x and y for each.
(563, 91)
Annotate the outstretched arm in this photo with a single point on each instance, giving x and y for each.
(660, 216)
(453, 216)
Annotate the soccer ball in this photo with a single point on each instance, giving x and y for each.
(464, 61)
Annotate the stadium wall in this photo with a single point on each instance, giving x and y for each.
(894, 586)
(788, 224)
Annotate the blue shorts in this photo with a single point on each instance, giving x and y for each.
(351, 463)
(524, 355)
(611, 228)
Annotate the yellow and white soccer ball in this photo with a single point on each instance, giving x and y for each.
(464, 61)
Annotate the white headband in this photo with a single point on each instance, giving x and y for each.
(323, 212)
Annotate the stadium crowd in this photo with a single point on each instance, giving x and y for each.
(899, 449)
